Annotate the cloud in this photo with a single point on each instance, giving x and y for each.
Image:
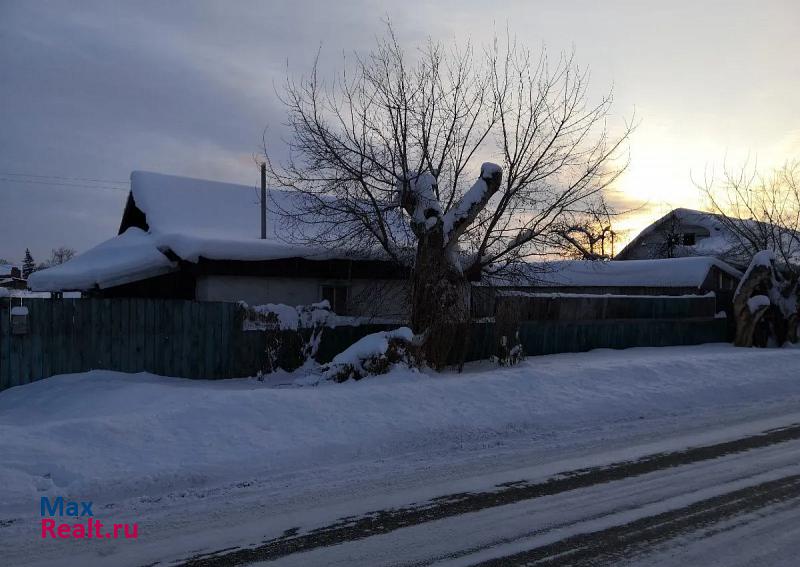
(102, 88)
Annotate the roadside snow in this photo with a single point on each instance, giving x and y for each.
(109, 435)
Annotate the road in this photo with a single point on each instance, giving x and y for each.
(727, 503)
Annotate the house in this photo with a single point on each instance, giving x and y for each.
(697, 275)
(11, 277)
(687, 232)
(185, 238)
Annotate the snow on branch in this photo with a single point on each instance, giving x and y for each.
(472, 202)
(418, 198)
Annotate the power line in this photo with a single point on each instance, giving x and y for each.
(115, 182)
(76, 185)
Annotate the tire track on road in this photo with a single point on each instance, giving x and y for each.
(608, 546)
(386, 521)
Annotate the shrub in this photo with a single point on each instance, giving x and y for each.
(374, 354)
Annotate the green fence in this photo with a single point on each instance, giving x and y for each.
(206, 340)
(168, 337)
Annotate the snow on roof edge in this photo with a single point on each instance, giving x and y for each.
(674, 272)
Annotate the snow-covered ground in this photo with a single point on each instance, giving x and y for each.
(192, 460)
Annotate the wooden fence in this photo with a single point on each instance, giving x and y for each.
(205, 339)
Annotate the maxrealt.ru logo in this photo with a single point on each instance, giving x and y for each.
(90, 528)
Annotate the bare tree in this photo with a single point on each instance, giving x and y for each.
(60, 255)
(760, 211)
(589, 235)
(383, 153)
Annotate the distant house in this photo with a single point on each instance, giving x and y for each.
(11, 277)
(187, 238)
(686, 232)
(677, 276)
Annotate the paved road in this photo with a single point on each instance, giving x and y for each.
(629, 511)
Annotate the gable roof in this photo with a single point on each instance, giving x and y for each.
(673, 272)
(168, 217)
(721, 242)
(219, 221)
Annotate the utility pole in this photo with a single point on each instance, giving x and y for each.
(263, 201)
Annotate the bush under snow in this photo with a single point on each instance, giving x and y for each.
(374, 354)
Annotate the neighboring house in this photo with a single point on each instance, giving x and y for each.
(676, 276)
(11, 277)
(186, 238)
(686, 232)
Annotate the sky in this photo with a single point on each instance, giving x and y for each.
(90, 91)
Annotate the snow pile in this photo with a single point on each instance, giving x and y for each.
(374, 354)
(129, 257)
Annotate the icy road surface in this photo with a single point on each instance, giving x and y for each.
(671, 505)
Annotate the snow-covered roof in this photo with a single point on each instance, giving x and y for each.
(721, 241)
(190, 218)
(673, 272)
(220, 221)
(126, 258)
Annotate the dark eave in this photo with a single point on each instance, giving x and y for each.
(299, 267)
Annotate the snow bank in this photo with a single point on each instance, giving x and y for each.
(104, 435)
(131, 256)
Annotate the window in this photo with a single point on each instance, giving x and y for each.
(337, 297)
(689, 239)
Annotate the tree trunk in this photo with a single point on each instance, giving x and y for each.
(439, 303)
(757, 279)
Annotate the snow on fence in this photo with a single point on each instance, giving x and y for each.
(167, 337)
(207, 339)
